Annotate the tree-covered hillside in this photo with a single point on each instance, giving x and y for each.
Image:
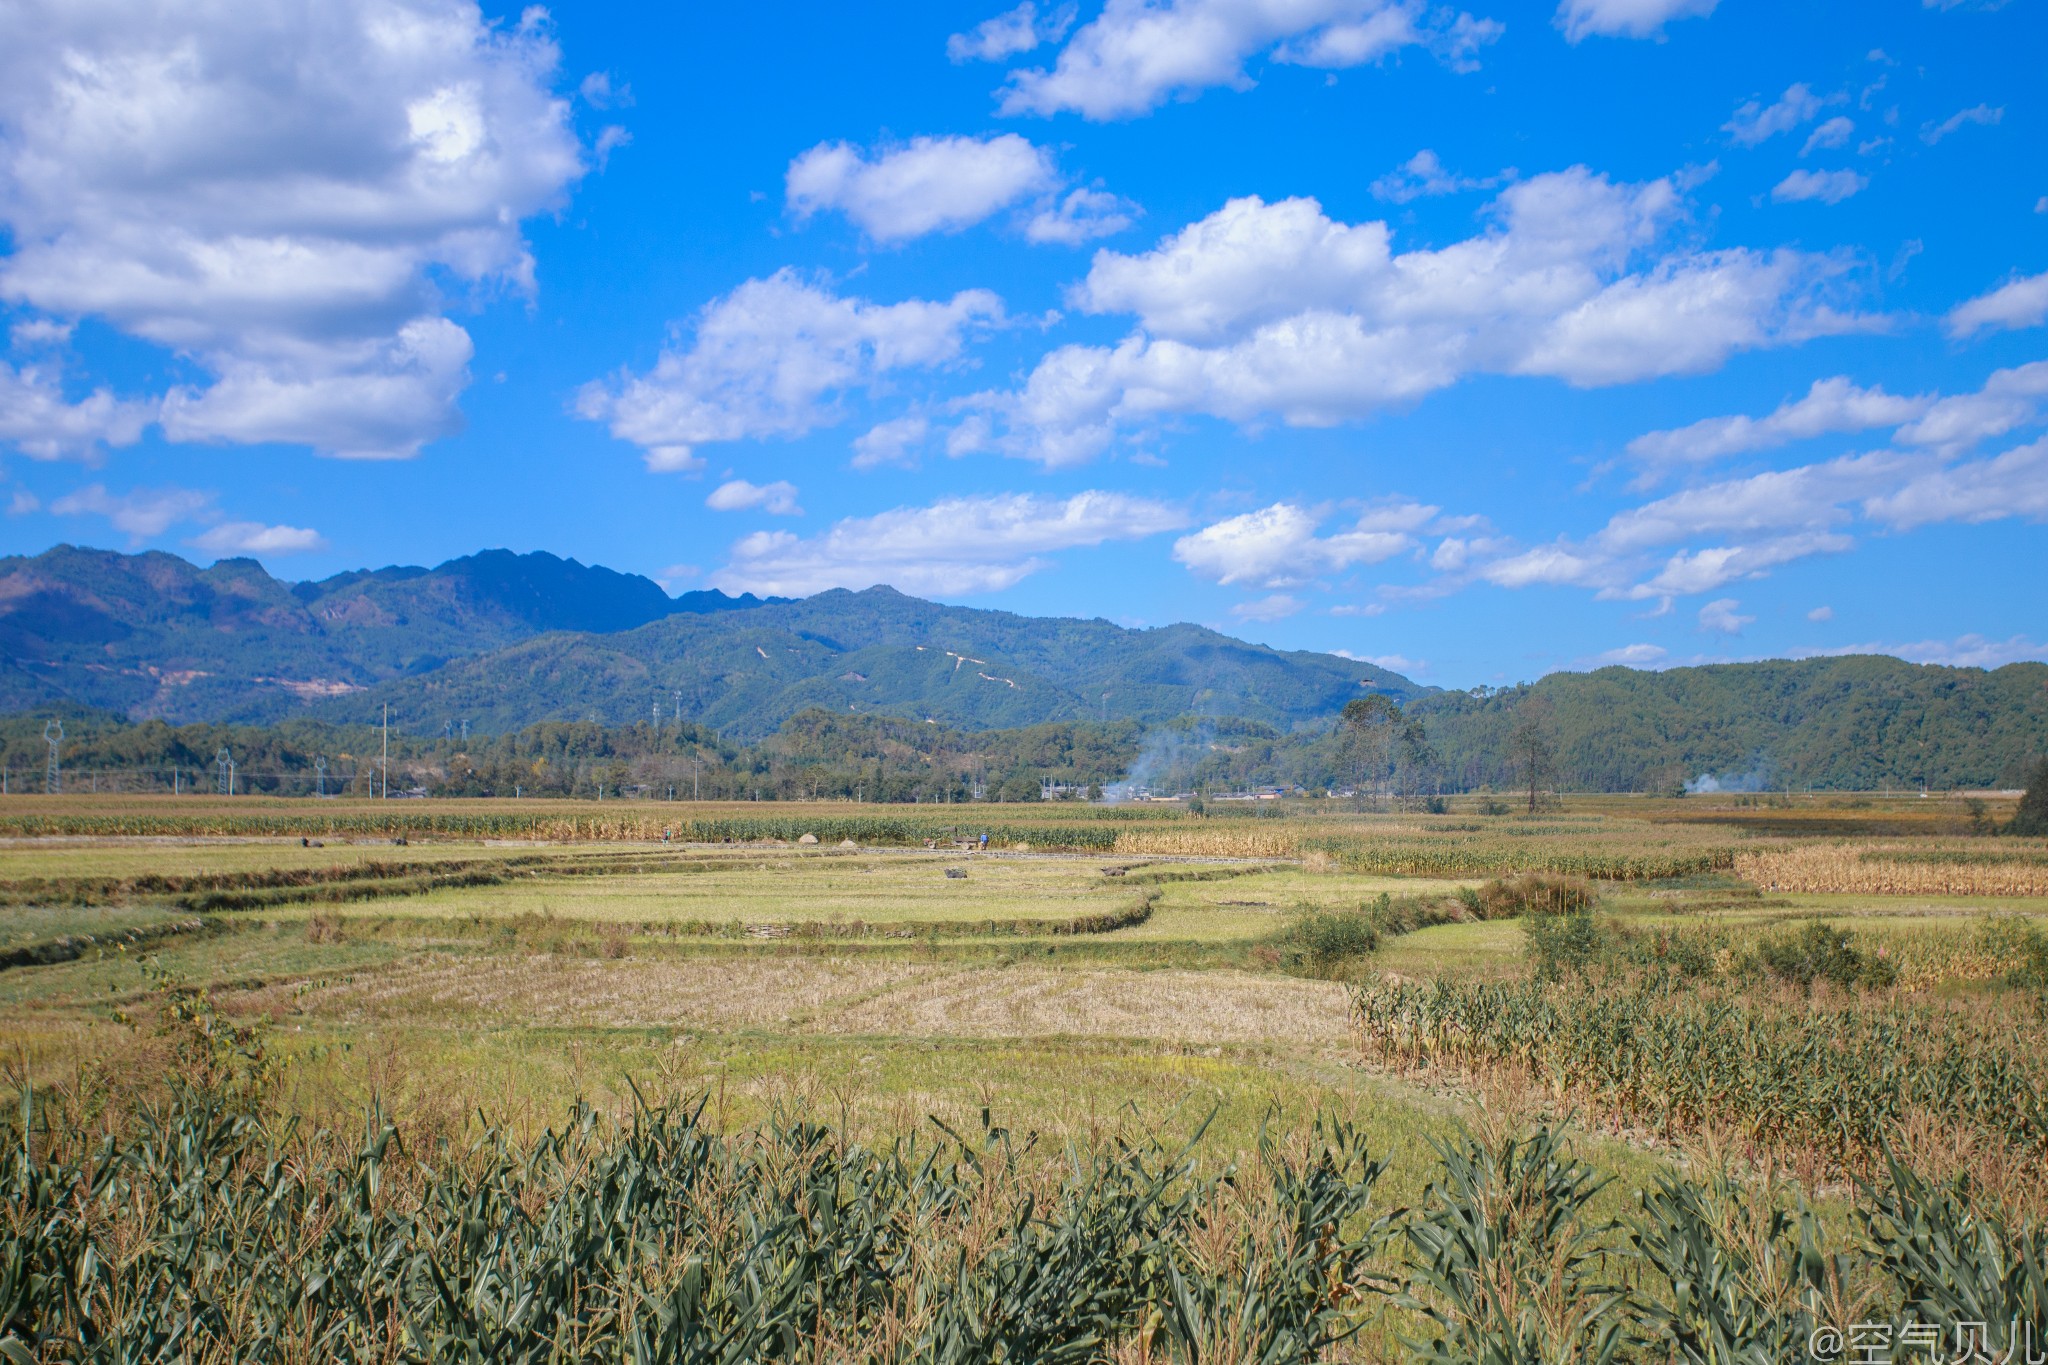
(1859, 723)
(880, 652)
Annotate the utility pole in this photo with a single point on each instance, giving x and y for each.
(387, 752)
(695, 794)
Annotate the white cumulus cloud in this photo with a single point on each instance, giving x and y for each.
(1423, 176)
(1137, 54)
(895, 441)
(280, 193)
(255, 538)
(1982, 114)
(737, 495)
(930, 184)
(1080, 216)
(1011, 32)
(770, 358)
(1275, 310)
(954, 547)
(1965, 651)
(1756, 121)
(1830, 405)
(142, 513)
(1836, 132)
(1829, 187)
(37, 419)
(2021, 303)
(1277, 546)
(1723, 617)
(1625, 18)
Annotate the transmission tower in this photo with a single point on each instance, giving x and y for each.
(320, 774)
(53, 776)
(224, 767)
(465, 729)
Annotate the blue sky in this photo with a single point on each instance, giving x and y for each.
(1477, 341)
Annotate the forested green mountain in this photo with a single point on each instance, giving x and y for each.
(878, 651)
(510, 642)
(1857, 723)
(152, 635)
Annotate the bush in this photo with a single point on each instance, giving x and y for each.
(1562, 945)
(1327, 942)
(1821, 952)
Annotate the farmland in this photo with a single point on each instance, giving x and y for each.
(833, 1082)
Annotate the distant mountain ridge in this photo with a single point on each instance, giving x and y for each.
(880, 652)
(504, 640)
(153, 635)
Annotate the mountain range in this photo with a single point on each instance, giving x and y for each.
(503, 640)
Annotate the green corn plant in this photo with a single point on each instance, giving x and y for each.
(1747, 1279)
(1952, 1264)
(1291, 1287)
(1512, 1274)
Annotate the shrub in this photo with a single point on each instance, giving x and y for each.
(1821, 952)
(1562, 945)
(1325, 942)
(325, 928)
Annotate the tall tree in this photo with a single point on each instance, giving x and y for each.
(1532, 745)
(1367, 729)
(2032, 816)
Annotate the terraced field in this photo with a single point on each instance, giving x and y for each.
(1087, 1001)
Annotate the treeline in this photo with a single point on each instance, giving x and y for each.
(816, 755)
(1858, 724)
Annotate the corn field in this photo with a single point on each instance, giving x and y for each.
(1203, 841)
(207, 1232)
(1832, 1081)
(1610, 858)
(634, 824)
(1894, 870)
(206, 1236)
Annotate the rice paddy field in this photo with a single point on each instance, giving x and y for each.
(1626, 1080)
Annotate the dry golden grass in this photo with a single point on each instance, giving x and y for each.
(1863, 868)
(1199, 1007)
(833, 995)
(716, 994)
